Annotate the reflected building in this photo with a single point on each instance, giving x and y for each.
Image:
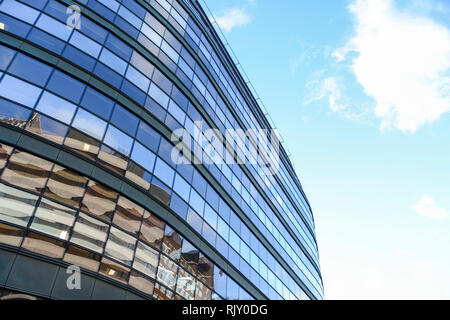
(86, 172)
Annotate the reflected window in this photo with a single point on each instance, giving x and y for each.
(97, 103)
(167, 272)
(118, 140)
(114, 270)
(125, 120)
(47, 128)
(66, 186)
(128, 215)
(89, 124)
(185, 284)
(189, 257)
(206, 270)
(113, 159)
(53, 219)
(143, 156)
(172, 243)
(16, 206)
(19, 91)
(82, 258)
(138, 175)
(99, 200)
(152, 230)
(162, 293)
(44, 245)
(160, 191)
(120, 246)
(30, 69)
(146, 260)
(82, 144)
(56, 107)
(202, 292)
(141, 283)
(13, 114)
(11, 235)
(89, 233)
(5, 152)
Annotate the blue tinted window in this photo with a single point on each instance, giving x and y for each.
(148, 136)
(38, 4)
(195, 221)
(210, 216)
(13, 114)
(106, 73)
(14, 26)
(45, 40)
(80, 57)
(30, 69)
(97, 103)
(48, 128)
(19, 10)
(113, 61)
(56, 107)
(94, 31)
(196, 202)
(66, 86)
(138, 79)
(158, 95)
(118, 47)
(130, 17)
(85, 44)
(181, 187)
(19, 91)
(6, 55)
(54, 27)
(125, 120)
(143, 156)
(164, 172)
(110, 4)
(89, 124)
(57, 10)
(118, 140)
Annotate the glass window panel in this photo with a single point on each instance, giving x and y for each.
(152, 230)
(85, 44)
(125, 120)
(202, 292)
(81, 143)
(114, 270)
(167, 272)
(128, 215)
(160, 191)
(66, 186)
(89, 124)
(206, 270)
(143, 156)
(141, 81)
(118, 140)
(6, 55)
(189, 257)
(141, 283)
(146, 260)
(27, 171)
(93, 30)
(89, 233)
(220, 282)
(11, 235)
(162, 293)
(54, 27)
(13, 114)
(56, 107)
(186, 284)
(164, 172)
(97, 103)
(53, 219)
(181, 187)
(66, 86)
(19, 10)
(44, 245)
(172, 244)
(196, 202)
(194, 220)
(99, 200)
(5, 152)
(19, 91)
(210, 216)
(82, 258)
(113, 61)
(158, 95)
(138, 175)
(148, 136)
(120, 246)
(47, 128)
(118, 46)
(113, 159)
(30, 69)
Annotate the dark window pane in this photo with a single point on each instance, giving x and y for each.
(138, 175)
(125, 120)
(97, 103)
(148, 136)
(113, 159)
(66, 86)
(30, 69)
(172, 243)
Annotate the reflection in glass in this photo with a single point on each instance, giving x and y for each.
(146, 260)
(82, 144)
(89, 233)
(185, 284)
(167, 272)
(11, 235)
(53, 219)
(44, 245)
(128, 215)
(66, 186)
(138, 175)
(82, 258)
(172, 243)
(112, 159)
(152, 230)
(114, 270)
(27, 171)
(120, 246)
(99, 200)
(16, 206)
(13, 114)
(5, 152)
(47, 128)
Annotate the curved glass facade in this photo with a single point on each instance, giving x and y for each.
(103, 84)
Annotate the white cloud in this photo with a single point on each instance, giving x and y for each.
(426, 207)
(233, 18)
(327, 88)
(403, 62)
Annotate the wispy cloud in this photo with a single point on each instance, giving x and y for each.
(402, 61)
(233, 18)
(427, 207)
(329, 89)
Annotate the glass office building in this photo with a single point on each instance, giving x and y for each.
(90, 94)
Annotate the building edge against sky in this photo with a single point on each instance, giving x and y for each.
(88, 104)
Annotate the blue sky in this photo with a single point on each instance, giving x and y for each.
(360, 91)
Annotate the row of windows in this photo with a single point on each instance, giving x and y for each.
(122, 144)
(63, 215)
